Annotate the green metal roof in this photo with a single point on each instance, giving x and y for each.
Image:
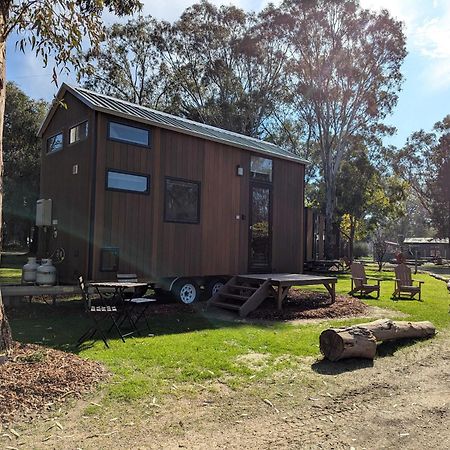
(132, 111)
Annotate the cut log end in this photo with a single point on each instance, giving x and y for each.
(336, 344)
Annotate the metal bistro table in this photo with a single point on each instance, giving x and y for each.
(117, 289)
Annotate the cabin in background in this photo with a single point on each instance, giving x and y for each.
(135, 190)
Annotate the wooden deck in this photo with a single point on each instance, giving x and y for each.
(282, 282)
(244, 293)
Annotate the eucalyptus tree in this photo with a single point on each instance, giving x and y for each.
(127, 65)
(22, 149)
(53, 30)
(226, 67)
(345, 65)
(424, 163)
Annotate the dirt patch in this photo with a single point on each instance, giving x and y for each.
(398, 401)
(37, 378)
(311, 305)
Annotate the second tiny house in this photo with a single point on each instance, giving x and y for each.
(135, 190)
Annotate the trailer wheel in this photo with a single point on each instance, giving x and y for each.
(213, 286)
(186, 291)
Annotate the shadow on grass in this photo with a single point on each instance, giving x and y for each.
(62, 325)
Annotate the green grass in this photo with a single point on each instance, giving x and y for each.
(8, 275)
(190, 349)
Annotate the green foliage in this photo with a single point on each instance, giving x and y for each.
(58, 28)
(424, 163)
(21, 148)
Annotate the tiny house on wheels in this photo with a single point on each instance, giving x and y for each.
(134, 190)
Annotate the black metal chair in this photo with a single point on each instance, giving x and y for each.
(136, 305)
(98, 314)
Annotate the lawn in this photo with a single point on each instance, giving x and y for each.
(194, 348)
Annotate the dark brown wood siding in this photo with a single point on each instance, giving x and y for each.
(134, 223)
(70, 193)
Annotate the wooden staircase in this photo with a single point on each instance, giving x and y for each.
(242, 294)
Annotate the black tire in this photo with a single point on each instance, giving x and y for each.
(186, 291)
(212, 286)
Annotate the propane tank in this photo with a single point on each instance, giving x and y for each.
(29, 270)
(46, 273)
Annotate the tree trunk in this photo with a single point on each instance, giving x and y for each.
(351, 342)
(360, 341)
(5, 330)
(351, 239)
(330, 206)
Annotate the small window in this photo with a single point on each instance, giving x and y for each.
(129, 182)
(55, 143)
(109, 259)
(261, 169)
(78, 132)
(182, 201)
(127, 133)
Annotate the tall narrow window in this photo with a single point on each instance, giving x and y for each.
(130, 134)
(128, 182)
(55, 143)
(78, 132)
(261, 169)
(182, 201)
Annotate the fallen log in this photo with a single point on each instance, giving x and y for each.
(360, 341)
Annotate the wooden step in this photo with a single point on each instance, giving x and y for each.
(226, 305)
(234, 296)
(247, 288)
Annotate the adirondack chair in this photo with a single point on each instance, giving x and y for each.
(359, 281)
(405, 284)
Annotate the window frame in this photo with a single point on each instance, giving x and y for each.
(116, 252)
(52, 136)
(199, 196)
(77, 125)
(125, 141)
(258, 180)
(127, 172)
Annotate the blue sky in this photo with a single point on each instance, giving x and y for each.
(425, 96)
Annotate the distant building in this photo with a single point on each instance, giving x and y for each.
(428, 247)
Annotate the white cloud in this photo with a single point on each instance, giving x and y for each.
(427, 27)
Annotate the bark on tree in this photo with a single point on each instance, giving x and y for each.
(5, 330)
(360, 341)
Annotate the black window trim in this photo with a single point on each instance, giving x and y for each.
(125, 141)
(256, 180)
(127, 172)
(52, 136)
(199, 196)
(80, 140)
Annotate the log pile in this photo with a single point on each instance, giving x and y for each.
(360, 341)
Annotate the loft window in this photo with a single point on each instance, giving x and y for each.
(109, 259)
(127, 182)
(182, 201)
(261, 169)
(129, 134)
(78, 132)
(55, 143)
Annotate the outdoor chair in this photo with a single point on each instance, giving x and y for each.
(405, 284)
(99, 314)
(135, 304)
(359, 281)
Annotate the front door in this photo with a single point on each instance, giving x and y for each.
(260, 235)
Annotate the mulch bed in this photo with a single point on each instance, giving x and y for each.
(310, 305)
(36, 378)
